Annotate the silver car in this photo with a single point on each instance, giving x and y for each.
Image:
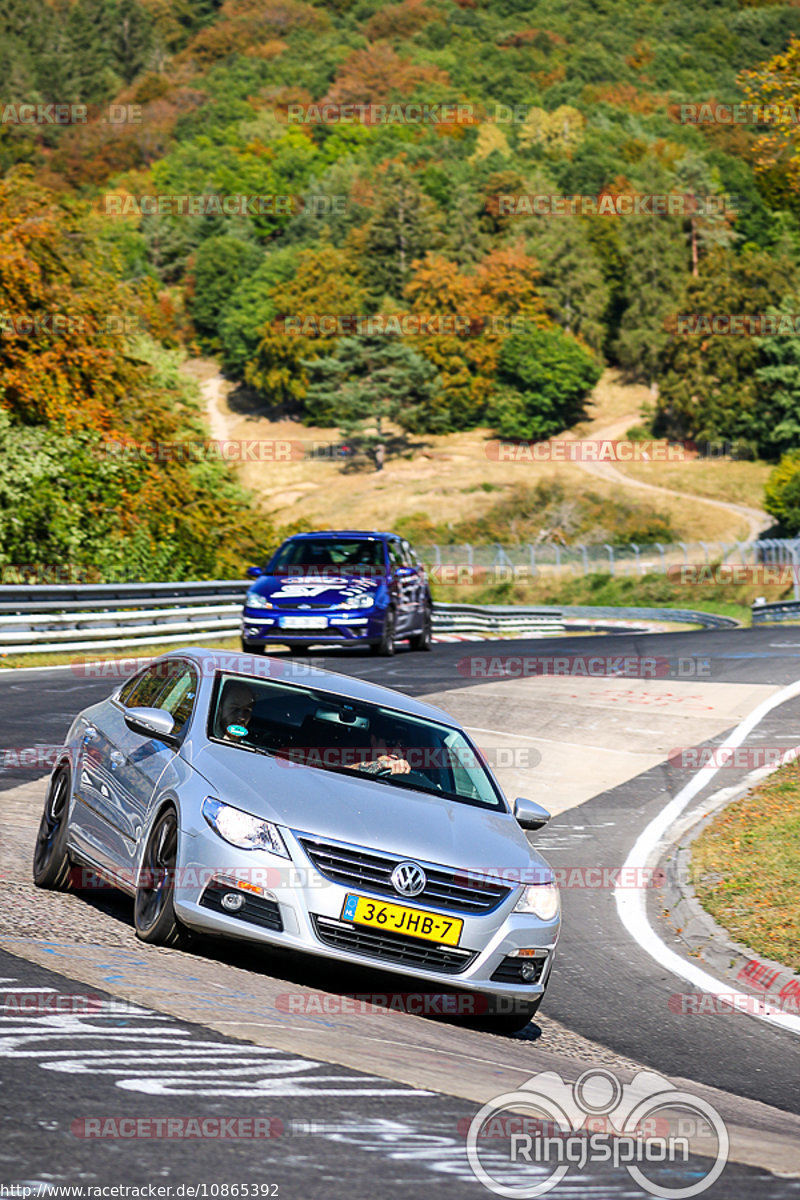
(267, 799)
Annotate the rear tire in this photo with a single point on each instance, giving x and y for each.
(51, 862)
(385, 646)
(153, 908)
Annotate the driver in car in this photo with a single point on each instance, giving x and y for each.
(236, 709)
(388, 755)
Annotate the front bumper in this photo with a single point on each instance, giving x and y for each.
(291, 905)
(261, 627)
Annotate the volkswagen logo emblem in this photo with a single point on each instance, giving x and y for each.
(408, 878)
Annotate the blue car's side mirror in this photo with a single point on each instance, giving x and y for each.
(254, 572)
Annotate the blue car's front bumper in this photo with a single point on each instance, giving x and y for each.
(263, 627)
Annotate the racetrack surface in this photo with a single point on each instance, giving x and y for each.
(609, 1002)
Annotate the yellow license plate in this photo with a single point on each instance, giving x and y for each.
(396, 918)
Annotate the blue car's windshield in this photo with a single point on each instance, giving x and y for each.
(336, 553)
(306, 727)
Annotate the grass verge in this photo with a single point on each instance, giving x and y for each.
(78, 659)
(603, 589)
(746, 867)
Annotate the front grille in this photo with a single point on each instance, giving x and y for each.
(392, 947)
(355, 867)
(293, 604)
(509, 970)
(256, 910)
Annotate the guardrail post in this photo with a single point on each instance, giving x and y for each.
(661, 551)
(611, 563)
(795, 548)
(585, 555)
(638, 558)
(532, 550)
(685, 550)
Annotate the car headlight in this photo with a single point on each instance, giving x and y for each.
(256, 600)
(241, 829)
(540, 899)
(362, 601)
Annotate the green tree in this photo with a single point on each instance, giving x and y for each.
(221, 263)
(544, 379)
(782, 493)
(367, 382)
(403, 228)
(778, 386)
(708, 383)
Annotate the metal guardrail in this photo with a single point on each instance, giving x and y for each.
(776, 613)
(43, 618)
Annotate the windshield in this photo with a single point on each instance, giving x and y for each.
(340, 554)
(305, 727)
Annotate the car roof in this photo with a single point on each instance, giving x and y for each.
(342, 533)
(258, 665)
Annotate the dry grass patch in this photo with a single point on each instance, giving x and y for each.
(746, 867)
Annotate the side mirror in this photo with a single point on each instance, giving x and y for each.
(529, 814)
(151, 723)
(254, 572)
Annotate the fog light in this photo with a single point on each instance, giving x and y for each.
(529, 970)
(232, 902)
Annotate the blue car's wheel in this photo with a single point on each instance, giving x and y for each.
(424, 639)
(386, 644)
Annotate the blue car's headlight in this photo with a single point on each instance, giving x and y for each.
(540, 899)
(241, 829)
(256, 600)
(362, 601)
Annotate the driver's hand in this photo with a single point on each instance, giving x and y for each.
(393, 763)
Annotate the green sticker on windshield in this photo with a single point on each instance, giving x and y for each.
(237, 730)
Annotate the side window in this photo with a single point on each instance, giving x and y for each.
(142, 691)
(395, 556)
(179, 696)
(408, 557)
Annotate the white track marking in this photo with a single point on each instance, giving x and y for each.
(631, 905)
(164, 1059)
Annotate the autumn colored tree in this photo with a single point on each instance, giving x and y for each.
(326, 284)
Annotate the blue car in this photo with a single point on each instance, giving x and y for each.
(339, 587)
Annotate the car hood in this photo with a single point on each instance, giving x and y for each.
(300, 589)
(371, 814)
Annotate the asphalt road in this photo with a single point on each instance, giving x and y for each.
(604, 987)
(111, 1097)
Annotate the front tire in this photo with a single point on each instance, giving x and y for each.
(385, 646)
(51, 862)
(252, 648)
(153, 908)
(424, 639)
